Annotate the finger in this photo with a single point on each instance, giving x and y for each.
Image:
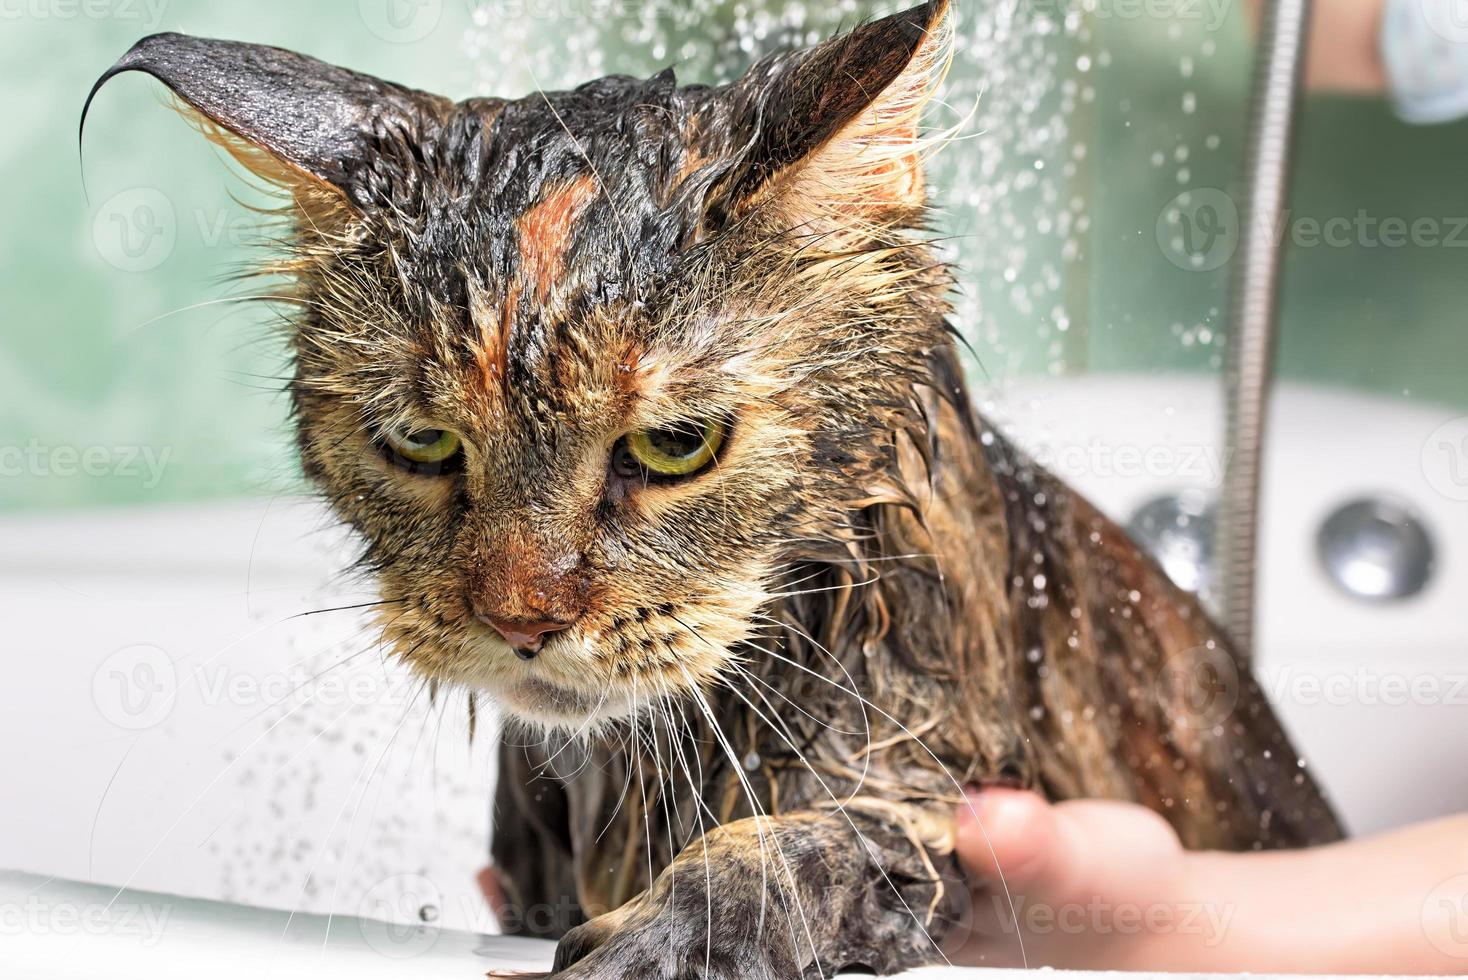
(493, 891)
(1123, 850)
(1007, 833)
(1069, 850)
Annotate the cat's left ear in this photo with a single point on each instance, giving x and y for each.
(836, 126)
(323, 132)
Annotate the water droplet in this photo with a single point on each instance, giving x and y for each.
(752, 761)
(428, 913)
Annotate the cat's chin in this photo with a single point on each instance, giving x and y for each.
(543, 704)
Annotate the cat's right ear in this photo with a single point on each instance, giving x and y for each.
(835, 127)
(329, 135)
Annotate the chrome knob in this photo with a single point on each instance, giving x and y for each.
(1376, 549)
(1177, 530)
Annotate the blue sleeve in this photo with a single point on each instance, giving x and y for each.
(1424, 47)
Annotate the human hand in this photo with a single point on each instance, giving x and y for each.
(1107, 885)
(1091, 883)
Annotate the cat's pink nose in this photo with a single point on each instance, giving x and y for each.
(524, 635)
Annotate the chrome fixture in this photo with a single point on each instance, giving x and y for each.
(1178, 530)
(1279, 62)
(1376, 549)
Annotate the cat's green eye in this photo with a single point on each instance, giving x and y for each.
(678, 450)
(422, 450)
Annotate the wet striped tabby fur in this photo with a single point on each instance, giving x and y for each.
(740, 753)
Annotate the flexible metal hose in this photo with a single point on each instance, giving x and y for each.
(1278, 74)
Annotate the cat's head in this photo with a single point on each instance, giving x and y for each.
(591, 370)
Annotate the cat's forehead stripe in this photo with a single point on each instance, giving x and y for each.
(542, 238)
(495, 343)
(544, 232)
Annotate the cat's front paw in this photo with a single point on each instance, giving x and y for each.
(676, 940)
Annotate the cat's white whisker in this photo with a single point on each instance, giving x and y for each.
(1004, 883)
(782, 732)
(790, 890)
(357, 810)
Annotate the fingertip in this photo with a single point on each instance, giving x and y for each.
(494, 893)
(1006, 832)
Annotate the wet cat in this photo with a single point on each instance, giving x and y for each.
(644, 401)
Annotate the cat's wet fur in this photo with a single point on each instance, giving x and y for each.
(774, 675)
